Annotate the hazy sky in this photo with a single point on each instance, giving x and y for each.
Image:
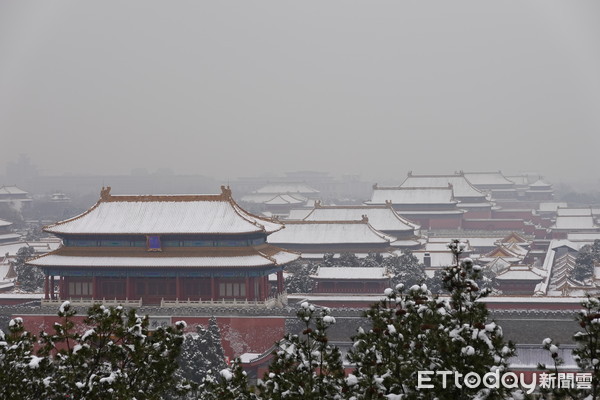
(238, 88)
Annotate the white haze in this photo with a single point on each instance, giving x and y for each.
(242, 88)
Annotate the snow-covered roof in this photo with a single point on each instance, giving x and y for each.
(168, 214)
(438, 258)
(583, 236)
(4, 223)
(575, 222)
(461, 187)
(412, 195)
(176, 258)
(558, 243)
(487, 178)
(280, 188)
(299, 213)
(329, 232)
(551, 206)
(498, 264)
(285, 199)
(540, 184)
(521, 180)
(9, 236)
(11, 190)
(358, 273)
(382, 218)
(521, 273)
(573, 211)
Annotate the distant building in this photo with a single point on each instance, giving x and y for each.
(381, 217)
(14, 198)
(494, 183)
(430, 207)
(520, 279)
(315, 238)
(476, 203)
(357, 280)
(163, 249)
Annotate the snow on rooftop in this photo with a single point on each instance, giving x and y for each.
(285, 199)
(11, 190)
(381, 218)
(438, 259)
(298, 213)
(461, 187)
(522, 273)
(573, 212)
(398, 195)
(256, 260)
(540, 184)
(328, 232)
(575, 222)
(169, 214)
(350, 273)
(248, 357)
(583, 236)
(551, 206)
(557, 243)
(487, 178)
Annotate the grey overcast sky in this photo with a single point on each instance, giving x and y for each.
(239, 88)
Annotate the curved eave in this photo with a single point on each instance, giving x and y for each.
(247, 261)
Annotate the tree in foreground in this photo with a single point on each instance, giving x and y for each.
(29, 278)
(306, 366)
(405, 268)
(230, 384)
(414, 331)
(117, 357)
(202, 353)
(299, 280)
(587, 354)
(587, 257)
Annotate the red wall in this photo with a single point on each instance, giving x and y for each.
(243, 334)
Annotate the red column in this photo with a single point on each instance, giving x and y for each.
(267, 286)
(178, 294)
(247, 283)
(279, 282)
(261, 288)
(52, 287)
(128, 293)
(46, 292)
(61, 288)
(213, 294)
(95, 294)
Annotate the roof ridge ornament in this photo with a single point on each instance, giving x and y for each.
(226, 191)
(105, 193)
(318, 204)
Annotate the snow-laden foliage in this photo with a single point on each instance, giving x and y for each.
(587, 353)
(21, 371)
(299, 280)
(29, 279)
(305, 366)
(117, 357)
(405, 269)
(412, 331)
(587, 257)
(231, 383)
(202, 353)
